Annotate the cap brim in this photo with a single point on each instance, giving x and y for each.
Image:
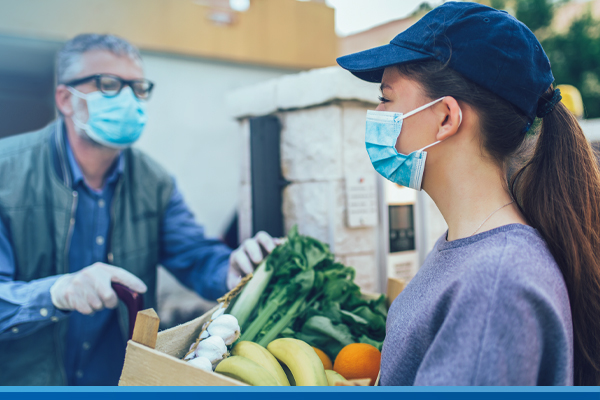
(368, 65)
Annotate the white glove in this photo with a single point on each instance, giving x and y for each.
(89, 290)
(245, 258)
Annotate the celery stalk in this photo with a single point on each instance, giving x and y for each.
(263, 317)
(250, 295)
(282, 323)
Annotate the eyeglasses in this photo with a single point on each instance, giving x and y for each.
(111, 85)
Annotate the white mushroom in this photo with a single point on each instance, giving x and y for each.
(226, 327)
(212, 348)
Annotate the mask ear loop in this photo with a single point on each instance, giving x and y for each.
(416, 110)
(77, 93)
(82, 96)
(440, 141)
(432, 144)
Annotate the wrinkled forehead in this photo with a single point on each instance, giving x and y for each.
(104, 62)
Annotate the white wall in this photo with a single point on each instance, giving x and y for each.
(591, 129)
(192, 134)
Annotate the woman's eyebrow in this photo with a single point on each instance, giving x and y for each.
(384, 86)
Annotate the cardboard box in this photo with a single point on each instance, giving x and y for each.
(154, 358)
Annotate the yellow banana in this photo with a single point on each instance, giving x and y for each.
(288, 374)
(333, 377)
(245, 370)
(301, 359)
(262, 357)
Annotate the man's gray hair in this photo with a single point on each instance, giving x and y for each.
(69, 56)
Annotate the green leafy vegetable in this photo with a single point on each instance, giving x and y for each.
(368, 340)
(353, 318)
(376, 322)
(324, 326)
(301, 292)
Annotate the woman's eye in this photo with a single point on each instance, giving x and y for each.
(383, 99)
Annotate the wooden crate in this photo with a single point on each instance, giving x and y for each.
(154, 358)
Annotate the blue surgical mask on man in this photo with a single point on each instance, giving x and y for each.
(116, 122)
(382, 132)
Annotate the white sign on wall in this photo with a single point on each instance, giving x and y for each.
(361, 200)
(402, 265)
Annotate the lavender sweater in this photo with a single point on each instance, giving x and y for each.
(491, 309)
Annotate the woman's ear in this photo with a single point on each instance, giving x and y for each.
(451, 118)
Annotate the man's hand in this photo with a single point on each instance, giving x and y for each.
(90, 290)
(245, 258)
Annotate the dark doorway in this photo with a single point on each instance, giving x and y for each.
(26, 84)
(267, 181)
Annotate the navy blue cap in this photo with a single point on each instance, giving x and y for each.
(487, 46)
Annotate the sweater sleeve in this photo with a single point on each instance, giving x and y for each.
(24, 306)
(499, 331)
(199, 262)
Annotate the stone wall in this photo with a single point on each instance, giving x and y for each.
(322, 114)
(320, 148)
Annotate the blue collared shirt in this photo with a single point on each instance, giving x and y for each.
(95, 346)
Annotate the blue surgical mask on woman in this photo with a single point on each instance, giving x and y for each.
(382, 132)
(115, 122)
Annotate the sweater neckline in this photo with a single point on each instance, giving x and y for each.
(446, 245)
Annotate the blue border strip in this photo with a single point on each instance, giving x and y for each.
(354, 389)
(304, 393)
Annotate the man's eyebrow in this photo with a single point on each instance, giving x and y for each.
(384, 86)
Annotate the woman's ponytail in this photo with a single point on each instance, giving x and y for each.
(558, 192)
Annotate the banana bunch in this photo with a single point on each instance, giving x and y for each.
(245, 370)
(301, 359)
(284, 362)
(262, 357)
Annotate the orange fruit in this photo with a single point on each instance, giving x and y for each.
(358, 361)
(324, 358)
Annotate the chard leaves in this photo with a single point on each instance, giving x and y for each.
(313, 298)
(324, 326)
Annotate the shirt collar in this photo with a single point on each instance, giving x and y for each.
(114, 172)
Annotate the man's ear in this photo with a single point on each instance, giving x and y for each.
(62, 97)
(451, 118)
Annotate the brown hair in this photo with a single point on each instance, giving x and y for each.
(557, 190)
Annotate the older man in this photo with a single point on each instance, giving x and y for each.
(79, 209)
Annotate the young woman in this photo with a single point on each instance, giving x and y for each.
(511, 294)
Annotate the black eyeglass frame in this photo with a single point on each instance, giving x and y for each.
(98, 77)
